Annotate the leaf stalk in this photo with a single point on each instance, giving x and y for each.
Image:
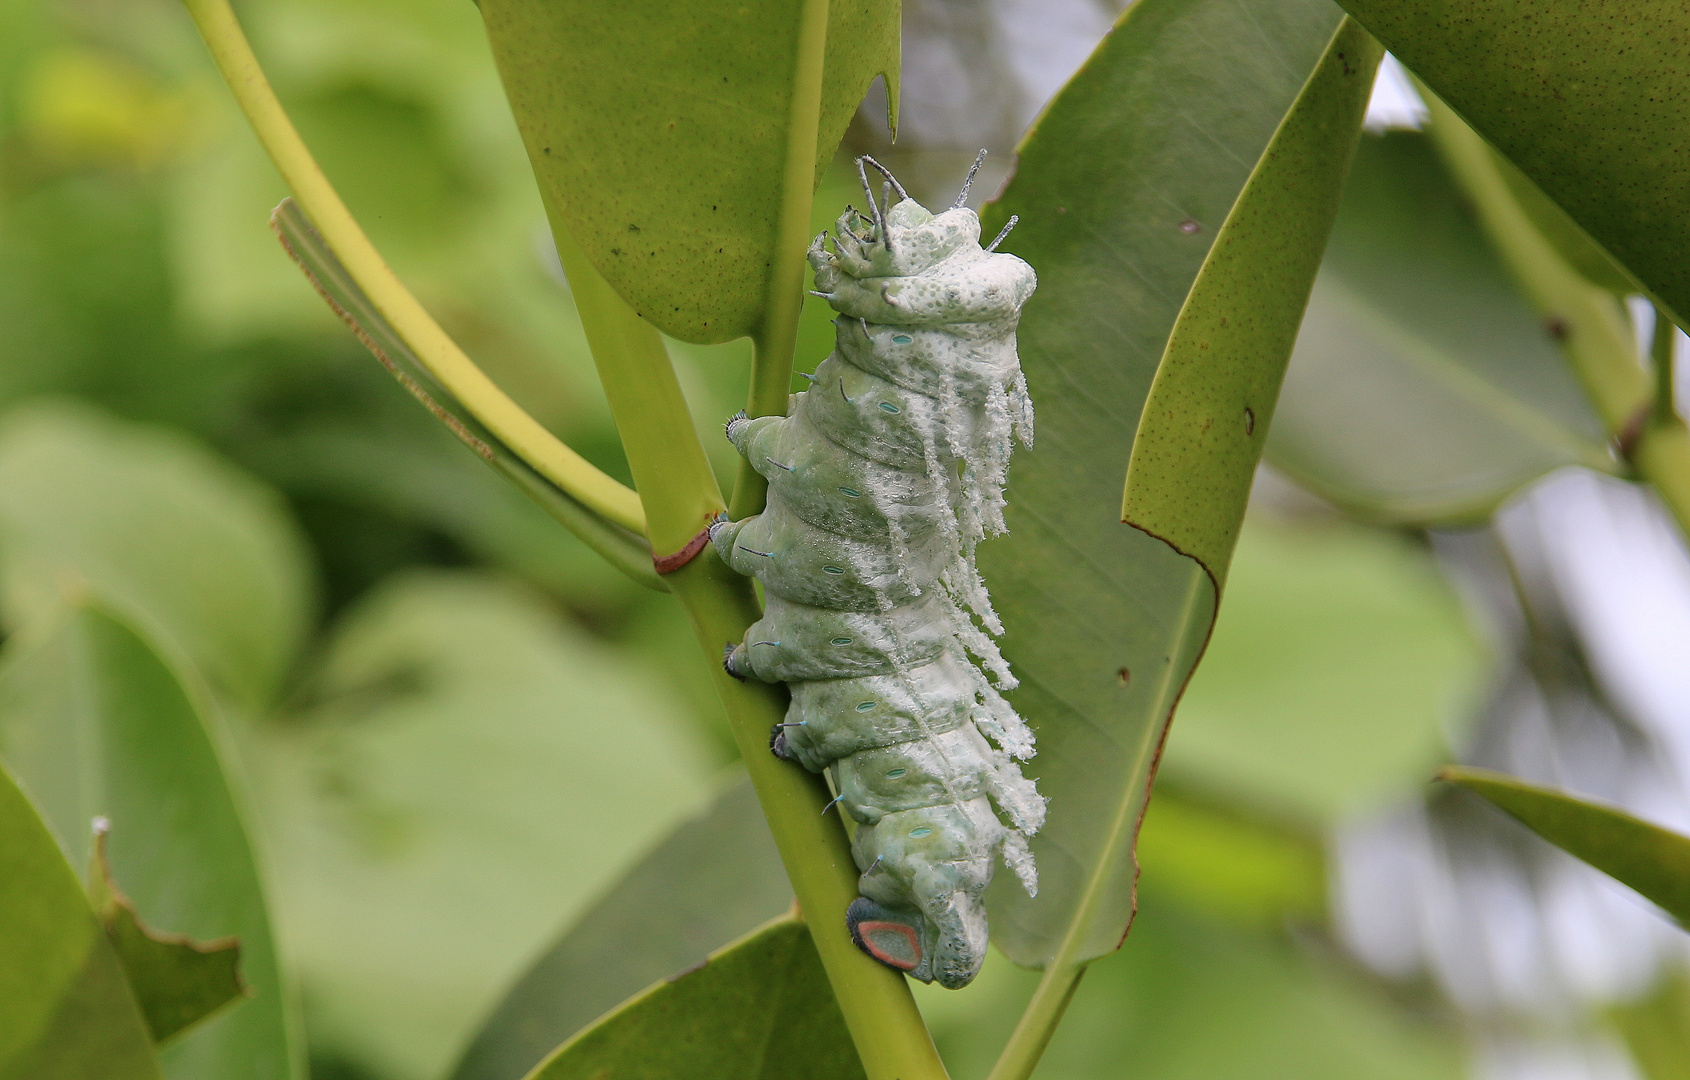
(776, 338)
(681, 497)
(448, 363)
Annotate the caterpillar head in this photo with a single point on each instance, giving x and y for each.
(899, 237)
(904, 241)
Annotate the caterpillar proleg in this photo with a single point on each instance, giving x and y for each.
(887, 473)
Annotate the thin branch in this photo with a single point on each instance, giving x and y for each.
(443, 358)
(777, 338)
(623, 549)
(1661, 358)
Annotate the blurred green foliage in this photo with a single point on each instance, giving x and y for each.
(99, 727)
(458, 727)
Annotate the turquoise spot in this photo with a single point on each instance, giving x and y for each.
(893, 774)
(920, 833)
(887, 406)
(832, 570)
(842, 641)
(865, 706)
(850, 493)
(901, 339)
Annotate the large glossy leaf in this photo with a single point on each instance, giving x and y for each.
(65, 1007)
(714, 879)
(759, 1009)
(162, 530)
(98, 725)
(659, 131)
(461, 772)
(1650, 859)
(1589, 99)
(1424, 389)
(1120, 188)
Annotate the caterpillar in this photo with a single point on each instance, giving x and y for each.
(883, 478)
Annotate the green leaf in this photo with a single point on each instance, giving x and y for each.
(659, 131)
(67, 1007)
(1589, 100)
(203, 555)
(98, 725)
(177, 981)
(462, 771)
(759, 1009)
(1120, 189)
(714, 879)
(1211, 403)
(1650, 859)
(1424, 389)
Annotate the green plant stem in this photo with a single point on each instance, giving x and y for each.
(444, 359)
(1038, 1022)
(1586, 319)
(1662, 453)
(777, 337)
(681, 497)
(1660, 360)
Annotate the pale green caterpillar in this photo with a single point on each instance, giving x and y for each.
(887, 473)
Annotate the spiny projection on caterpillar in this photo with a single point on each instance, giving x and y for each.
(887, 473)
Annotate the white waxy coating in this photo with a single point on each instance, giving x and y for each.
(886, 476)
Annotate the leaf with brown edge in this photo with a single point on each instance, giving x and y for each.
(177, 981)
(1210, 406)
(1121, 189)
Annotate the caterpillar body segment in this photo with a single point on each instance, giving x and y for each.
(887, 473)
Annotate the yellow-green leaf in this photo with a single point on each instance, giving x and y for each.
(659, 132)
(1650, 859)
(1210, 405)
(1591, 100)
(99, 724)
(65, 1007)
(177, 981)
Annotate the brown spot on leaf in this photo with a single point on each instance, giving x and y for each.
(1249, 421)
(1123, 677)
